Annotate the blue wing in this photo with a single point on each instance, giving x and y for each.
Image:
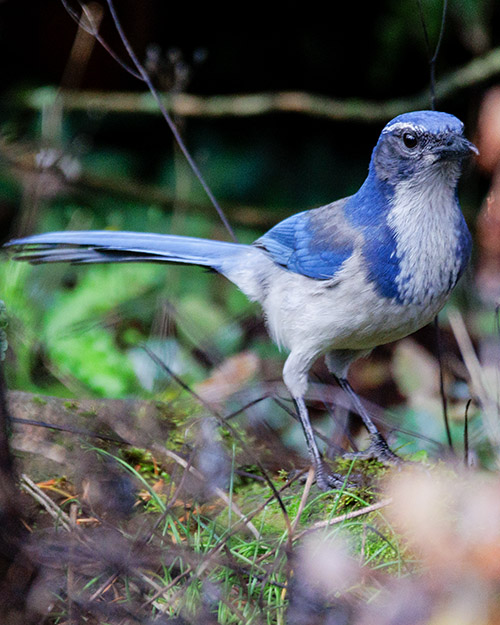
(314, 243)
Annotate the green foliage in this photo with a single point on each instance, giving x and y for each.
(75, 333)
(89, 322)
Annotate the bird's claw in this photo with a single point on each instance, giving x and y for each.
(327, 480)
(377, 450)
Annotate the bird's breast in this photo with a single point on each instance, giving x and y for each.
(432, 245)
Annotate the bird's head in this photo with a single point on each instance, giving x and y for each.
(415, 147)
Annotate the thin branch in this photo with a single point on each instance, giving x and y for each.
(466, 433)
(442, 392)
(86, 22)
(188, 105)
(46, 502)
(180, 142)
(477, 378)
(433, 57)
(303, 499)
(436, 54)
(345, 517)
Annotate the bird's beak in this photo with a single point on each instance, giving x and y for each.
(457, 147)
(469, 147)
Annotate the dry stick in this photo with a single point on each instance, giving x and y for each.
(442, 392)
(69, 430)
(345, 517)
(474, 368)
(103, 587)
(170, 500)
(256, 104)
(165, 589)
(46, 502)
(303, 499)
(335, 521)
(73, 511)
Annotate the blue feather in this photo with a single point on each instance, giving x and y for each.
(368, 209)
(314, 243)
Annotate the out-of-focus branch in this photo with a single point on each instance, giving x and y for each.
(51, 172)
(187, 105)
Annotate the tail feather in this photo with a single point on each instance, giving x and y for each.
(102, 246)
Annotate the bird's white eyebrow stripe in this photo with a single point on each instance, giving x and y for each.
(403, 126)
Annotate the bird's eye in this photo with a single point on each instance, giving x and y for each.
(410, 140)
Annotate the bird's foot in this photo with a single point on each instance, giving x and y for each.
(377, 450)
(327, 480)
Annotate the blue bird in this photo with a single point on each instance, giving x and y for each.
(336, 280)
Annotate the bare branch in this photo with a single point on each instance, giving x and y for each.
(256, 104)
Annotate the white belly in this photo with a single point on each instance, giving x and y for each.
(347, 313)
(316, 316)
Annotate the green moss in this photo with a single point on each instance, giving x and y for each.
(39, 401)
(71, 405)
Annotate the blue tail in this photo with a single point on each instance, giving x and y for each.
(103, 246)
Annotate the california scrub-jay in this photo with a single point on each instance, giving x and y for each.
(336, 280)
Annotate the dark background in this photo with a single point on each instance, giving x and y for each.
(373, 51)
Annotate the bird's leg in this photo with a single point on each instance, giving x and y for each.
(378, 448)
(295, 374)
(325, 479)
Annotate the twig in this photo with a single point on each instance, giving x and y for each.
(173, 128)
(442, 391)
(433, 60)
(345, 517)
(73, 511)
(46, 502)
(303, 499)
(433, 56)
(188, 105)
(490, 407)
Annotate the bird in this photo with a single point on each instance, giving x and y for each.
(334, 281)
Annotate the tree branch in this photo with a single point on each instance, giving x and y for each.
(187, 105)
